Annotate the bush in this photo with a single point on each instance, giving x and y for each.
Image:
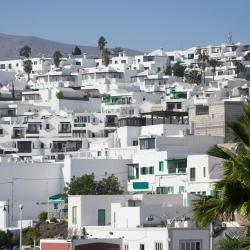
(43, 216)
(54, 220)
(59, 95)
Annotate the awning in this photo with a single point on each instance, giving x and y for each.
(58, 198)
(177, 159)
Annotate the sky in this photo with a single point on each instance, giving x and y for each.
(137, 24)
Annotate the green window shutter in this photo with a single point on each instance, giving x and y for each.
(161, 166)
(101, 217)
(181, 189)
(140, 185)
(192, 174)
(151, 170)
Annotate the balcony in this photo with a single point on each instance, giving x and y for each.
(64, 131)
(17, 136)
(177, 171)
(32, 131)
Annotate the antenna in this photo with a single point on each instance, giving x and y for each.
(230, 38)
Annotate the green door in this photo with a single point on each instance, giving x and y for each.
(101, 217)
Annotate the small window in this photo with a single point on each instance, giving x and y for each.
(42, 145)
(158, 246)
(144, 170)
(161, 166)
(47, 126)
(135, 142)
(204, 172)
(192, 174)
(142, 247)
(126, 247)
(1, 131)
(151, 170)
(181, 189)
(74, 215)
(99, 153)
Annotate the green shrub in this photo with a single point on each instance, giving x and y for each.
(42, 216)
(59, 95)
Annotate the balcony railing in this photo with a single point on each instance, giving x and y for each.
(32, 131)
(177, 171)
(16, 136)
(64, 131)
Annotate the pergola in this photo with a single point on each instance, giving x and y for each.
(166, 114)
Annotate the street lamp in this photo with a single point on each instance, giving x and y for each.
(21, 217)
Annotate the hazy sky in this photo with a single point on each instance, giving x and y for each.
(138, 24)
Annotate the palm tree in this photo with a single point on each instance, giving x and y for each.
(202, 62)
(27, 67)
(57, 58)
(247, 57)
(233, 190)
(193, 77)
(25, 51)
(214, 63)
(102, 43)
(240, 68)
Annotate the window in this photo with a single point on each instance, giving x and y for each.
(170, 190)
(192, 174)
(126, 247)
(42, 145)
(151, 170)
(190, 245)
(99, 153)
(147, 143)
(142, 247)
(123, 61)
(204, 172)
(144, 170)
(101, 217)
(1, 131)
(181, 189)
(74, 215)
(202, 110)
(135, 142)
(161, 166)
(47, 126)
(158, 246)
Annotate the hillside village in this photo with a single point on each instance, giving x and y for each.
(145, 123)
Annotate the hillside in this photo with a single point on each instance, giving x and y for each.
(10, 45)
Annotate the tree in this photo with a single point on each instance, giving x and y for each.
(193, 77)
(25, 51)
(57, 58)
(77, 51)
(59, 95)
(83, 185)
(214, 63)
(168, 71)
(109, 185)
(106, 55)
(228, 244)
(42, 216)
(102, 43)
(5, 239)
(178, 69)
(202, 62)
(233, 190)
(104, 51)
(87, 185)
(27, 67)
(30, 234)
(116, 51)
(240, 68)
(247, 57)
